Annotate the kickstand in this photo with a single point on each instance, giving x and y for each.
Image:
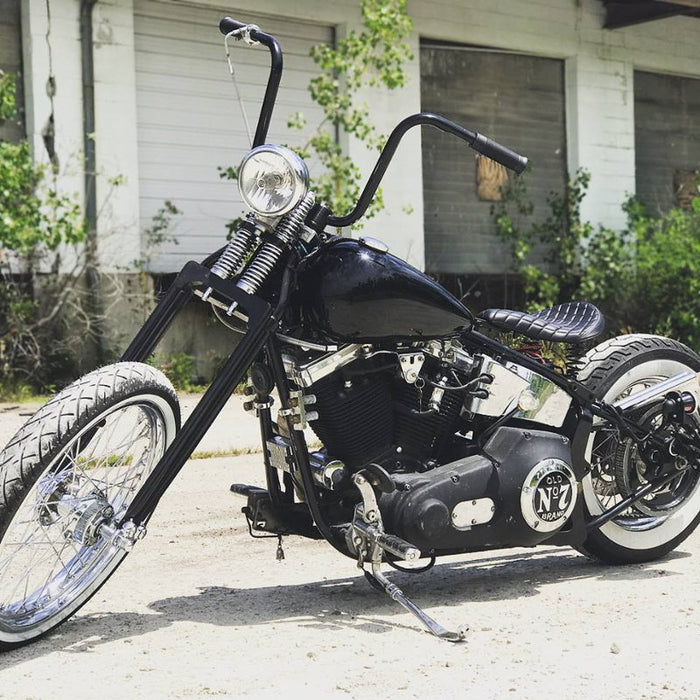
(370, 542)
(382, 583)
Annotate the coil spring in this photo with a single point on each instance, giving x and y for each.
(236, 251)
(265, 260)
(291, 223)
(269, 253)
(574, 361)
(533, 349)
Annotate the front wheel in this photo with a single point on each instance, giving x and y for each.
(658, 523)
(71, 470)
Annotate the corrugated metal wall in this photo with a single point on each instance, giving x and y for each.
(11, 58)
(517, 100)
(667, 134)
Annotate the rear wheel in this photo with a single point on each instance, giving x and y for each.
(71, 471)
(657, 524)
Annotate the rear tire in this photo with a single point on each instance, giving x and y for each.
(77, 463)
(668, 516)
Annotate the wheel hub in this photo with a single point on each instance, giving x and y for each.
(83, 517)
(635, 466)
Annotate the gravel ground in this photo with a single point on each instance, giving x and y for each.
(199, 609)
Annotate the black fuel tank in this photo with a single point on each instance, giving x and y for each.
(352, 291)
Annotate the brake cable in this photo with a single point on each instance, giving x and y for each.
(237, 35)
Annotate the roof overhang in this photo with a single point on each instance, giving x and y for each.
(623, 13)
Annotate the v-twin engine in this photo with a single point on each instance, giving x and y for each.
(460, 484)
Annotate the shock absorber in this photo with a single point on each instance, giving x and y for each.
(270, 252)
(236, 251)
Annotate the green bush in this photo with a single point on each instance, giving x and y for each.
(658, 289)
(645, 278)
(48, 309)
(557, 239)
(179, 368)
(37, 222)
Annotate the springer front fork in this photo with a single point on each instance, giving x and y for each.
(370, 543)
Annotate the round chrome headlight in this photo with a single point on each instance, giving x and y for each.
(272, 180)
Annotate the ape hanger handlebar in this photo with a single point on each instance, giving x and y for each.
(252, 34)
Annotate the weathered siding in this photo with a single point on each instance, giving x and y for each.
(667, 120)
(518, 101)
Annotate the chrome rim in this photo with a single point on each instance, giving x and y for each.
(53, 552)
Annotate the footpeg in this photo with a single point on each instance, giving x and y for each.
(264, 516)
(247, 491)
(388, 543)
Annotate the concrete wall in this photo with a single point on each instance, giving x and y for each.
(115, 135)
(63, 38)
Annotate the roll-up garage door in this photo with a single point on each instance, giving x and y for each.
(189, 120)
(517, 100)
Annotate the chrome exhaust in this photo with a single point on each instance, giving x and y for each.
(685, 381)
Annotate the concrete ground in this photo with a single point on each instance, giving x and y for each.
(200, 610)
(234, 429)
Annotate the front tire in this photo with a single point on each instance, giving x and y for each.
(75, 466)
(658, 524)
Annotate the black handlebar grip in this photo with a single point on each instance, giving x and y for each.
(500, 154)
(228, 25)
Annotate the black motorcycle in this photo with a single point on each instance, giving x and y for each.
(436, 438)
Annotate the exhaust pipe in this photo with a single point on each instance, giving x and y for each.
(685, 381)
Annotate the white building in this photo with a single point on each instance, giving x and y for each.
(544, 77)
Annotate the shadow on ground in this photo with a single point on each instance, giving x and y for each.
(341, 602)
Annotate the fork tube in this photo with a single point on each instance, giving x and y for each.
(201, 419)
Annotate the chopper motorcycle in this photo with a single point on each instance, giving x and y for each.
(436, 439)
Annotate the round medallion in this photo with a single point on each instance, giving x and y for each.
(548, 495)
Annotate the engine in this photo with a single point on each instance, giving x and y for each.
(425, 415)
(378, 417)
(386, 407)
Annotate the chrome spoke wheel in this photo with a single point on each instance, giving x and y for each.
(57, 543)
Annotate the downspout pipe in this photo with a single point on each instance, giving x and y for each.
(91, 259)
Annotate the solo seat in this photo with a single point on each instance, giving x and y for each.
(566, 323)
